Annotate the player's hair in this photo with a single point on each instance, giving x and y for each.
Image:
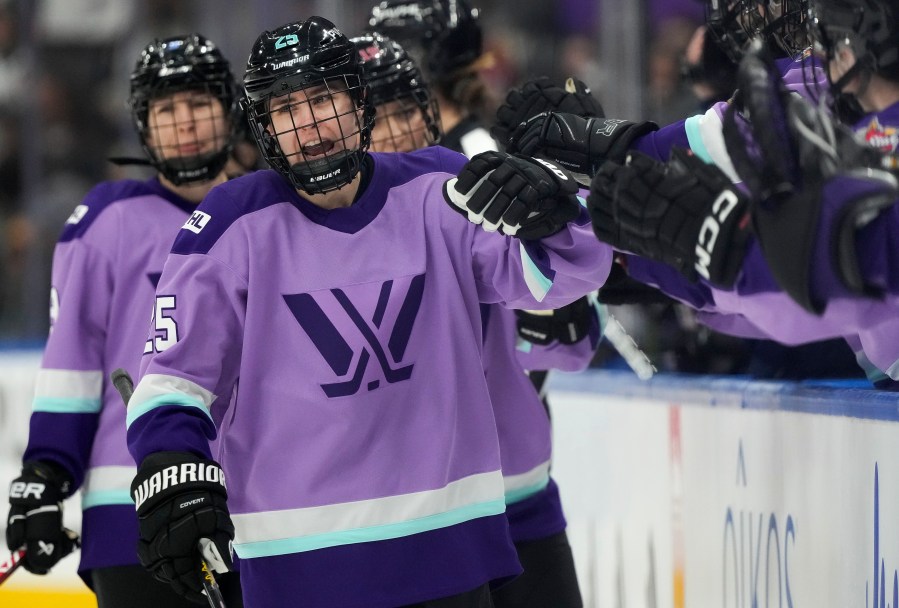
(297, 56)
(184, 63)
(393, 76)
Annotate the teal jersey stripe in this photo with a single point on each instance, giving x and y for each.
(694, 137)
(101, 498)
(67, 405)
(171, 399)
(534, 278)
(300, 544)
(520, 494)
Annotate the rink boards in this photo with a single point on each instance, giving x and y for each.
(679, 491)
(695, 492)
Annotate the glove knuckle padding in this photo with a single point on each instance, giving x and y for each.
(663, 211)
(180, 499)
(537, 96)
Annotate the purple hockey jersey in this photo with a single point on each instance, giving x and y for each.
(533, 506)
(105, 268)
(338, 356)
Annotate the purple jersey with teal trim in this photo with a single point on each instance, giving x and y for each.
(339, 354)
(105, 268)
(525, 438)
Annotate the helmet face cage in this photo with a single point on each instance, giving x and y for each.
(869, 27)
(723, 23)
(308, 104)
(407, 117)
(406, 123)
(184, 106)
(786, 25)
(314, 134)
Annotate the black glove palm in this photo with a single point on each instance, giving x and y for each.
(542, 95)
(35, 516)
(180, 500)
(519, 196)
(685, 213)
(579, 144)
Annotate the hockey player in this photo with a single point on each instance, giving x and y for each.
(824, 210)
(563, 339)
(445, 37)
(321, 321)
(105, 267)
(407, 114)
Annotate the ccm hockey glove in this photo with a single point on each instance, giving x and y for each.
(522, 197)
(35, 516)
(579, 144)
(567, 325)
(181, 506)
(542, 95)
(685, 213)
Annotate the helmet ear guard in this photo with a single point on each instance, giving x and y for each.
(284, 62)
(173, 65)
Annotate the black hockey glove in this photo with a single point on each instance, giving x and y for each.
(566, 325)
(685, 213)
(180, 500)
(794, 158)
(35, 516)
(519, 196)
(542, 95)
(579, 144)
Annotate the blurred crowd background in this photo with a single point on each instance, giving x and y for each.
(64, 67)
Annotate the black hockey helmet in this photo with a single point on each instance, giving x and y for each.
(447, 30)
(297, 56)
(871, 29)
(184, 63)
(393, 76)
(732, 24)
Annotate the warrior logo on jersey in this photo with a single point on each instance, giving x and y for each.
(77, 215)
(350, 331)
(197, 221)
(882, 138)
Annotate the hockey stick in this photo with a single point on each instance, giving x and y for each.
(622, 341)
(123, 383)
(9, 566)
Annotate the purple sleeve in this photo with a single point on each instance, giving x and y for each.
(172, 405)
(541, 275)
(658, 144)
(63, 425)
